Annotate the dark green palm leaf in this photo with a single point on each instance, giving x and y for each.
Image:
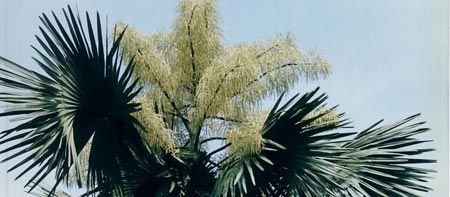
(298, 158)
(174, 178)
(85, 94)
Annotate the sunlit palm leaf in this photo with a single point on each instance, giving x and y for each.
(384, 159)
(84, 93)
(43, 190)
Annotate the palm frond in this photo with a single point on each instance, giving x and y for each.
(85, 92)
(384, 159)
(45, 190)
(302, 156)
(297, 158)
(188, 177)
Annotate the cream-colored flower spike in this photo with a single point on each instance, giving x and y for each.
(194, 77)
(327, 116)
(152, 55)
(246, 138)
(156, 133)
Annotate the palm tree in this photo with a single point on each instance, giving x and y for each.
(178, 114)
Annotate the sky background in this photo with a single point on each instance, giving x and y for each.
(389, 58)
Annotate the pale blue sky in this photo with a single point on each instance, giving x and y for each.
(389, 57)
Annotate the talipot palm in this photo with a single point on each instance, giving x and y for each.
(179, 114)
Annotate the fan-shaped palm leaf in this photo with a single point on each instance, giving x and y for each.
(298, 158)
(188, 178)
(302, 158)
(85, 93)
(383, 159)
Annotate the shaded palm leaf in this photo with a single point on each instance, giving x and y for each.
(298, 158)
(175, 178)
(85, 93)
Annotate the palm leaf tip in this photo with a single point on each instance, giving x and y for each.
(85, 93)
